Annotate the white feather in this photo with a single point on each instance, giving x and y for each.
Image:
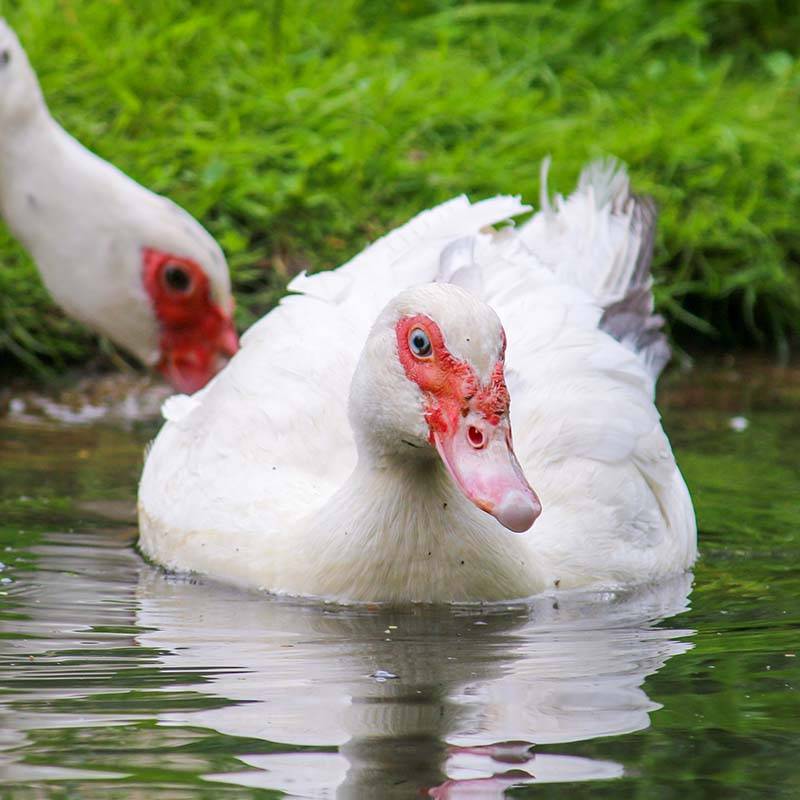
(178, 407)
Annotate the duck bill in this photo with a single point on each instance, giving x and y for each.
(480, 459)
(189, 362)
(227, 343)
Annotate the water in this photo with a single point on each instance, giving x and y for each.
(117, 680)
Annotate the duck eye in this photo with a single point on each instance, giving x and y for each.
(177, 278)
(5, 57)
(419, 343)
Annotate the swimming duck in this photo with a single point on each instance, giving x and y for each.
(463, 412)
(126, 262)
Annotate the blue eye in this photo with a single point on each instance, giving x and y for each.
(419, 343)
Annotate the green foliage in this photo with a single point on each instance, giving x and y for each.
(297, 132)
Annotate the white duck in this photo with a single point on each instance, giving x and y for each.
(360, 460)
(127, 263)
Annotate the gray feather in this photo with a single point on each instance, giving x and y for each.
(631, 319)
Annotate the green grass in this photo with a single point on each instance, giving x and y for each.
(298, 131)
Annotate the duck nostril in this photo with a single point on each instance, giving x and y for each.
(475, 436)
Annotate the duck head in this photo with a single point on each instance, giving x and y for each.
(193, 315)
(430, 384)
(155, 282)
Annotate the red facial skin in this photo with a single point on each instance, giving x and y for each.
(451, 386)
(197, 336)
(469, 427)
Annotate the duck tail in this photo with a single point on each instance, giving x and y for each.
(631, 318)
(600, 238)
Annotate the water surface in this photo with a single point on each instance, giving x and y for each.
(118, 680)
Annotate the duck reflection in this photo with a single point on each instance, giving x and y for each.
(447, 702)
(358, 702)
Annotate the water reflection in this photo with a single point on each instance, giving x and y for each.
(360, 702)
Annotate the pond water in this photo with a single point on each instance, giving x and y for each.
(118, 680)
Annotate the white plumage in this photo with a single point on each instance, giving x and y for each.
(257, 479)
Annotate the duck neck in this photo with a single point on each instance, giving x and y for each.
(400, 530)
(399, 505)
(24, 131)
(31, 167)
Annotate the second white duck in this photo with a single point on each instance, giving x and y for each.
(360, 460)
(125, 262)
